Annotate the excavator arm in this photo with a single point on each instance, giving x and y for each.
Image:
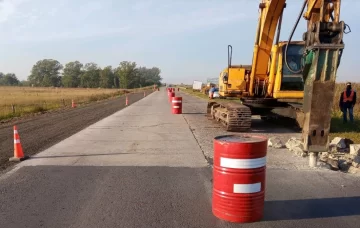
(323, 50)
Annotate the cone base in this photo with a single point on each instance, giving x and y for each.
(14, 159)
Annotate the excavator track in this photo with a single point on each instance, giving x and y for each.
(233, 116)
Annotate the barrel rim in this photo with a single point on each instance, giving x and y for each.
(260, 138)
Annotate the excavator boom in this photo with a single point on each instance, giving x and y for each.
(270, 13)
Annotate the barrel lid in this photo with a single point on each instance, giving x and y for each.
(240, 138)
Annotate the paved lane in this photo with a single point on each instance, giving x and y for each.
(142, 167)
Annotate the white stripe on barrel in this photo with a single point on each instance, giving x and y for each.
(15, 131)
(242, 163)
(176, 106)
(247, 188)
(176, 101)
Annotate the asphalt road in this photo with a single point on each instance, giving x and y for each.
(205, 129)
(143, 167)
(42, 131)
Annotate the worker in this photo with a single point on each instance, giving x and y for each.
(347, 102)
(212, 90)
(293, 65)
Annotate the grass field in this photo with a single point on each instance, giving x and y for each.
(351, 131)
(19, 101)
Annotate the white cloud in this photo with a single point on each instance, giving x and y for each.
(142, 5)
(70, 35)
(8, 9)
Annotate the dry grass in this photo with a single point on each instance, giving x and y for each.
(351, 131)
(18, 101)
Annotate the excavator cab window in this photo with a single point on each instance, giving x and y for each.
(292, 81)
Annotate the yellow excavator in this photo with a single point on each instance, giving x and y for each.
(297, 77)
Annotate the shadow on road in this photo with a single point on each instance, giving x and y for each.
(311, 208)
(76, 155)
(261, 126)
(194, 113)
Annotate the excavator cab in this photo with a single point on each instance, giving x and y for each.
(292, 81)
(289, 83)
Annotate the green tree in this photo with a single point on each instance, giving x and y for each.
(154, 76)
(148, 77)
(90, 78)
(46, 73)
(127, 75)
(72, 73)
(25, 83)
(1, 78)
(126, 72)
(10, 79)
(107, 78)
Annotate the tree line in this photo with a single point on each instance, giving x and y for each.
(50, 72)
(8, 79)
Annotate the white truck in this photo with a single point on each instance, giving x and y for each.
(197, 86)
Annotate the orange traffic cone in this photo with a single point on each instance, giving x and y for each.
(18, 151)
(126, 101)
(73, 105)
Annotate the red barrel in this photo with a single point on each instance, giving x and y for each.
(171, 95)
(178, 89)
(176, 106)
(239, 178)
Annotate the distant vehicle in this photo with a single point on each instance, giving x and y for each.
(197, 85)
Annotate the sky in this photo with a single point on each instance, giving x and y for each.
(186, 39)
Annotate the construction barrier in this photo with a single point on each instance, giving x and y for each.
(171, 95)
(126, 101)
(239, 178)
(176, 106)
(18, 151)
